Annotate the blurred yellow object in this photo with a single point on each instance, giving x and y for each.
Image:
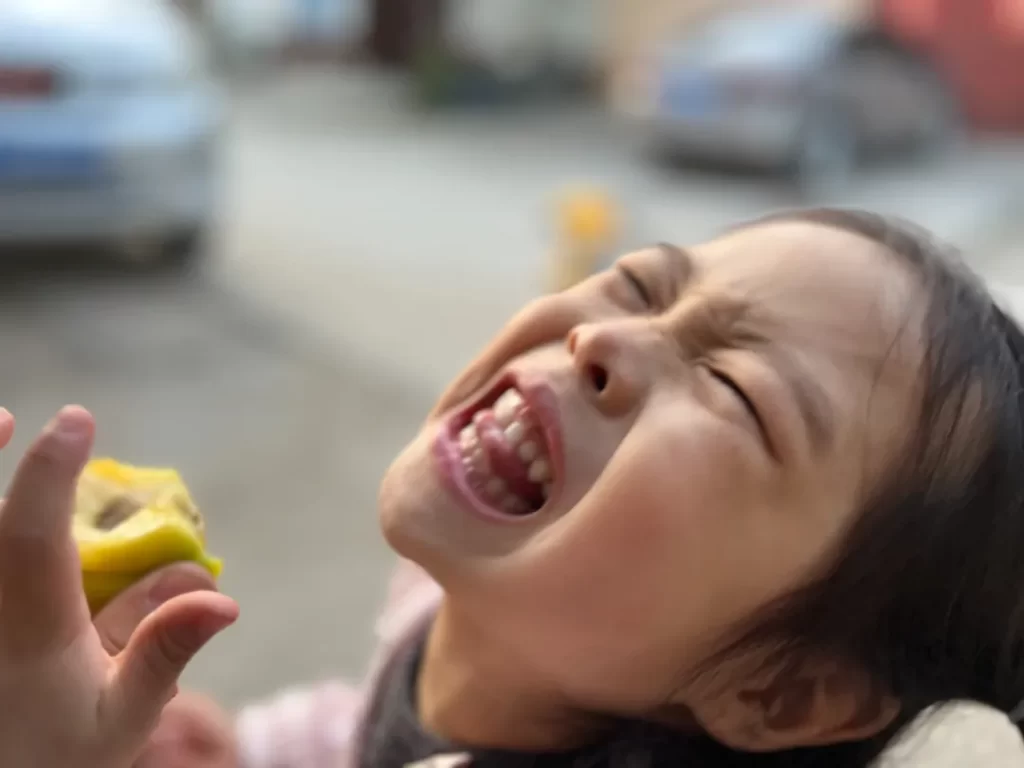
(130, 521)
(589, 224)
(589, 216)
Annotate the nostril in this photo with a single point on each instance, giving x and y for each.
(598, 377)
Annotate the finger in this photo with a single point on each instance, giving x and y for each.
(39, 572)
(6, 427)
(119, 619)
(147, 672)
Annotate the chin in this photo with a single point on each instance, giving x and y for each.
(411, 504)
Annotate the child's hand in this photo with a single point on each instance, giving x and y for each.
(193, 733)
(68, 702)
(118, 620)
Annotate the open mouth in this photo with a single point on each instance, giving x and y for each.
(505, 454)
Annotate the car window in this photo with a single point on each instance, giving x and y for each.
(758, 37)
(81, 9)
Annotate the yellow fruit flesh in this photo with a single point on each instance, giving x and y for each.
(131, 521)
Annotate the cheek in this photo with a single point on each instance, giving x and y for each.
(655, 542)
(651, 563)
(668, 513)
(680, 539)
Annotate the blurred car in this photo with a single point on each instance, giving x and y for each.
(108, 128)
(795, 89)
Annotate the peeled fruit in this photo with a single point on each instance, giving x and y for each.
(130, 521)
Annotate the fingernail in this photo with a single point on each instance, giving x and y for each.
(71, 426)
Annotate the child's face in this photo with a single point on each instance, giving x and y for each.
(673, 511)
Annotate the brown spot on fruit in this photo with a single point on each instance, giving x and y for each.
(115, 512)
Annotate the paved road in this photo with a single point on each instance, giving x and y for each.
(364, 255)
(444, 220)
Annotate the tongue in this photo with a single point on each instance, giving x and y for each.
(504, 462)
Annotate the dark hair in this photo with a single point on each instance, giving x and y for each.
(927, 592)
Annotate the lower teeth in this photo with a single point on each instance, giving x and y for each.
(513, 505)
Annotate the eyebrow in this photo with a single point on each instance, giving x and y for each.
(681, 260)
(813, 403)
(816, 411)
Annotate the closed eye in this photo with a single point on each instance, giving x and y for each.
(742, 396)
(637, 285)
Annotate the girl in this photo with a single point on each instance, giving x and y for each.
(757, 503)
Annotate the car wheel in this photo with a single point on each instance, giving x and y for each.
(910, 108)
(826, 155)
(942, 128)
(661, 150)
(185, 249)
(176, 252)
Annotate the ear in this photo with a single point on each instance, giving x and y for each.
(811, 704)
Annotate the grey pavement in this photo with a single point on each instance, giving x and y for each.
(365, 253)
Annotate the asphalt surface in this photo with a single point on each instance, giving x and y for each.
(364, 254)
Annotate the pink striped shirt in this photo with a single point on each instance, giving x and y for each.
(321, 726)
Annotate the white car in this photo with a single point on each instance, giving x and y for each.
(799, 91)
(108, 128)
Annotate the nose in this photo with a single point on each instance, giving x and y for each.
(610, 363)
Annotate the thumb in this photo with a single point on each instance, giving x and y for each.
(117, 621)
(147, 671)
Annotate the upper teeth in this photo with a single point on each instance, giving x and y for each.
(515, 432)
(510, 413)
(507, 405)
(528, 451)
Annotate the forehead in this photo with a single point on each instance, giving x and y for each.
(807, 269)
(793, 275)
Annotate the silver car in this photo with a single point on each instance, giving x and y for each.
(795, 89)
(108, 127)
